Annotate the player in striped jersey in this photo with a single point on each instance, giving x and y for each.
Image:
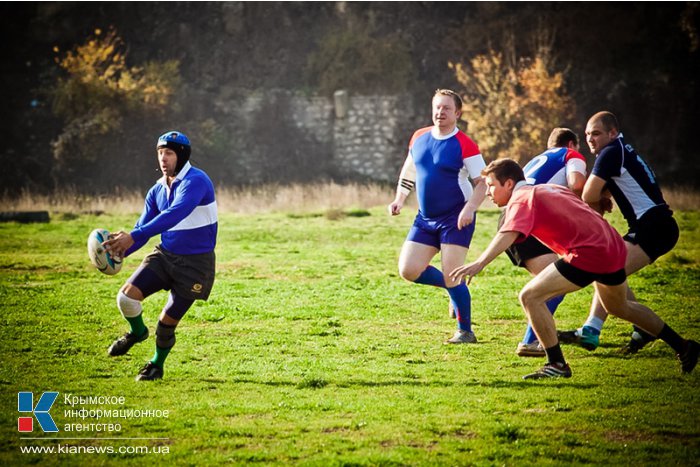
(440, 163)
(652, 232)
(181, 207)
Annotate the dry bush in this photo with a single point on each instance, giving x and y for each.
(512, 103)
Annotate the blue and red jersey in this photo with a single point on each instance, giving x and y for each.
(443, 166)
(553, 165)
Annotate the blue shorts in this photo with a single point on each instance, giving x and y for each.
(435, 232)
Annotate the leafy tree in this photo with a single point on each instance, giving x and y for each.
(97, 93)
(358, 59)
(511, 103)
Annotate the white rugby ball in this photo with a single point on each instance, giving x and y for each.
(99, 257)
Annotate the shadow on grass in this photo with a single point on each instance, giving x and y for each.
(499, 383)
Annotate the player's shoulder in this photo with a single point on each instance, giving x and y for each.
(571, 154)
(421, 132)
(615, 148)
(469, 147)
(200, 179)
(461, 135)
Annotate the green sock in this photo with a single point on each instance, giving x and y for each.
(137, 326)
(160, 356)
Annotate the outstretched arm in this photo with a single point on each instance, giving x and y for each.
(498, 245)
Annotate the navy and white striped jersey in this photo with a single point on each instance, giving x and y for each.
(630, 180)
(185, 214)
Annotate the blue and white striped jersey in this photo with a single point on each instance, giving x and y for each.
(185, 214)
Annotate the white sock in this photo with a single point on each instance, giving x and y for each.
(595, 323)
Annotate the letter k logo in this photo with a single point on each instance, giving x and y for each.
(25, 403)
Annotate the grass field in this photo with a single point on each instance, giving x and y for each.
(312, 351)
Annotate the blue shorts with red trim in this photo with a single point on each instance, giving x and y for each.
(436, 231)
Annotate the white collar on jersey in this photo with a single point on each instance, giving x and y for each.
(180, 175)
(436, 133)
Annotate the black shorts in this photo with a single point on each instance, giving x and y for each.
(189, 276)
(525, 250)
(583, 278)
(656, 232)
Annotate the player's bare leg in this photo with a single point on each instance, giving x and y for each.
(547, 284)
(588, 335)
(452, 257)
(129, 301)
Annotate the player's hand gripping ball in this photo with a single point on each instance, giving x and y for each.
(99, 257)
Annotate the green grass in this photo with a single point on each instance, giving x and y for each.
(312, 351)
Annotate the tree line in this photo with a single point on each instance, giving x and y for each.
(88, 86)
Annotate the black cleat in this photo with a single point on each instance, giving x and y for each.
(122, 345)
(551, 370)
(690, 358)
(632, 347)
(582, 337)
(637, 343)
(149, 372)
(569, 337)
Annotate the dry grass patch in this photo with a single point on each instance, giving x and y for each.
(326, 197)
(330, 199)
(683, 199)
(322, 197)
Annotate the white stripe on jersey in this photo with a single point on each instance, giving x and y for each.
(576, 165)
(634, 193)
(201, 216)
(472, 169)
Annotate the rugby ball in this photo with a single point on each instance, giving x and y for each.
(99, 257)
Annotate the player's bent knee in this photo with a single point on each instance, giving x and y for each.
(409, 274)
(132, 291)
(529, 297)
(129, 307)
(165, 335)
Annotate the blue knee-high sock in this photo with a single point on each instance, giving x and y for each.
(552, 305)
(460, 295)
(433, 276)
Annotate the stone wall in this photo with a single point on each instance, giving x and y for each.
(360, 137)
(370, 135)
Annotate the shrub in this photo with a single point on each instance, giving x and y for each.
(95, 95)
(512, 105)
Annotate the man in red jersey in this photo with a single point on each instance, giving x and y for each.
(590, 250)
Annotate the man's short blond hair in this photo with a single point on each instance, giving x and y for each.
(452, 94)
